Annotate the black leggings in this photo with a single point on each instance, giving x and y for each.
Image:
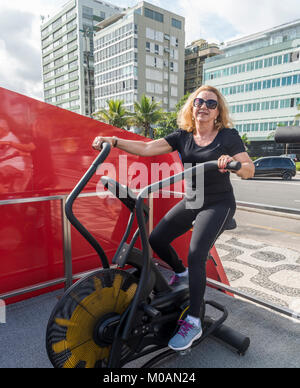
(209, 224)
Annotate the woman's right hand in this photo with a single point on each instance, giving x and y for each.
(99, 140)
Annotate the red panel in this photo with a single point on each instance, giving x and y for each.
(45, 150)
(30, 245)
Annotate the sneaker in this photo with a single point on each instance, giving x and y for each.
(176, 280)
(186, 335)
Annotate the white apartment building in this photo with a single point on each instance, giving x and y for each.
(260, 77)
(67, 54)
(140, 51)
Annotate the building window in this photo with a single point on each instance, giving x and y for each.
(149, 13)
(72, 64)
(286, 58)
(176, 23)
(71, 13)
(74, 93)
(148, 47)
(56, 23)
(87, 12)
(268, 62)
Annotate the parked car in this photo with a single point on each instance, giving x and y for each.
(291, 156)
(275, 166)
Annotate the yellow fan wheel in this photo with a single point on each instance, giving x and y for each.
(93, 304)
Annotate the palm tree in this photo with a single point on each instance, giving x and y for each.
(115, 115)
(147, 113)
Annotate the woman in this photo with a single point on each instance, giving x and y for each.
(205, 135)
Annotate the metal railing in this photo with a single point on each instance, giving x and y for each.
(67, 247)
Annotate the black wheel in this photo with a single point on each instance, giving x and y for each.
(82, 325)
(286, 176)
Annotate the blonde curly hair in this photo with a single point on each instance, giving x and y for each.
(185, 117)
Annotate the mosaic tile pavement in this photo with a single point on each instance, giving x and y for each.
(268, 272)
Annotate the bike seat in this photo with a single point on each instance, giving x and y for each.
(230, 224)
(123, 193)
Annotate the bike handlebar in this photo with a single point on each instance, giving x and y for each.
(204, 167)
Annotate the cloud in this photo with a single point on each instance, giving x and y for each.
(20, 44)
(222, 20)
(20, 66)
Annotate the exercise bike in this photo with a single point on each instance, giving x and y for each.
(123, 312)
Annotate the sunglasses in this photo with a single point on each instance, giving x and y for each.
(210, 104)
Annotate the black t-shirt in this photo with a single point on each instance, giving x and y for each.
(227, 142)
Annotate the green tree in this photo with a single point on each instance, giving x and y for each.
(297, 117)
(168, 123)
(147, 113)
(181, 102)
(245, 139)
(115, 115)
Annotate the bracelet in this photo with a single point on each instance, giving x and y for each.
(115, 141)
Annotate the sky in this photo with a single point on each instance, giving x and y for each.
(215, 20)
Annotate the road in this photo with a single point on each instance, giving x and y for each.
(268, 191)
(275, 228)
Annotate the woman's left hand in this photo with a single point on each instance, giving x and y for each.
(223, 161)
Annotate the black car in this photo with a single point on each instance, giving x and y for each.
(275, 166)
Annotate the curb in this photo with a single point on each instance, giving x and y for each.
(269, 212)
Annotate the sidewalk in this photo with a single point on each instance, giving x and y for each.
(263, 261)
